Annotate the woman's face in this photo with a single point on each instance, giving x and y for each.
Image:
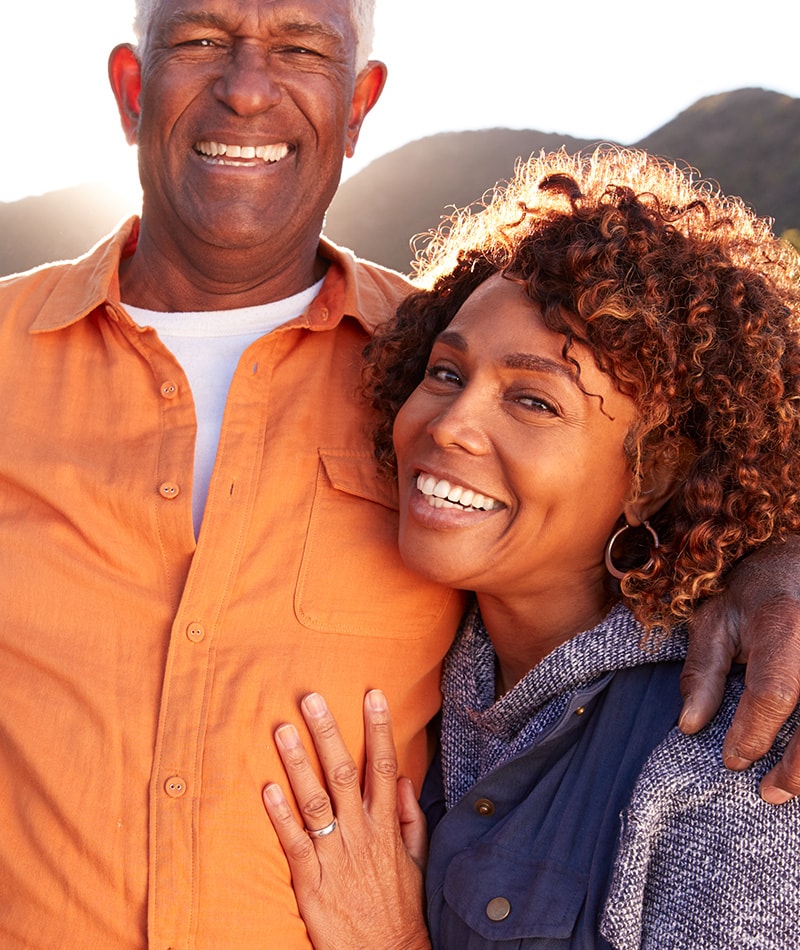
(512, 476)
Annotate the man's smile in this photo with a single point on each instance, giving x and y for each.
(221, 153)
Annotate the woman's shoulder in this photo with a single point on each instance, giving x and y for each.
(702, 859)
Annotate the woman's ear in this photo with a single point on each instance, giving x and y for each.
(661, 474)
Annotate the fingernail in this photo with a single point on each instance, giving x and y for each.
(314, 705)
(685, 721)
(775, 796)
(287, 736)
(274, 794)
(735, 762)
(377, 700)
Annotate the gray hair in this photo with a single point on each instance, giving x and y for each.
(362, 15)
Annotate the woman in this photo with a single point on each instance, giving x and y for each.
(595, 414)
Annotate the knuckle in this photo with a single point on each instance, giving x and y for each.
(773, 696)
(316, 808)
(385, 767)
(301, 849)
(344, 776)
(325, 729)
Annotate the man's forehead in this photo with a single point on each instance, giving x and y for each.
(291, 10)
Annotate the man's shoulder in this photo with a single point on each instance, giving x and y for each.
(373, 291)
(62, 286)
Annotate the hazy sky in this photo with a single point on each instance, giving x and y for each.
(592, 69)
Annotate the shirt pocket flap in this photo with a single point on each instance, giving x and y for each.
(503, 896)
(352, 580)
(357, 475)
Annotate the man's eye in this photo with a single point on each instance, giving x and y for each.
(203, 42)
(301, 51)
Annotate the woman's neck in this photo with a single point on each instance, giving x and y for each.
(523, 633)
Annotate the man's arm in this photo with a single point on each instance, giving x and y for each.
(757, 622)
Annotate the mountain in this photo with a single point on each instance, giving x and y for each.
(747, 140)
(57, 226)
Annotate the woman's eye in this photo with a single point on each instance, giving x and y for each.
(444, 374)
(537, 404)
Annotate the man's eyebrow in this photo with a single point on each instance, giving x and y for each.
(308, 28)
(530, 362)
(191, 18)
(209, 19)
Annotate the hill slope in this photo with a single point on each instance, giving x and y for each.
(748, 141)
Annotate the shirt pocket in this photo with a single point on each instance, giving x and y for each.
(503, 898)
(352, 581)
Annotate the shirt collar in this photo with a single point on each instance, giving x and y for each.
(74, 289)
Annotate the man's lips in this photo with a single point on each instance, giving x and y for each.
(222, 153)
(441, 493)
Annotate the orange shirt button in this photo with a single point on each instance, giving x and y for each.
(195, 632)
(169, 490)
(175, 787)
(169, 390)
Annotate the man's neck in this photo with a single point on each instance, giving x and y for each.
(156, 277)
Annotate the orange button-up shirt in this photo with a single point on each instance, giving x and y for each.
(142, 674)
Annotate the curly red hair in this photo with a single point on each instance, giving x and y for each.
(685, 299)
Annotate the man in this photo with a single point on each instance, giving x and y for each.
(172, 580)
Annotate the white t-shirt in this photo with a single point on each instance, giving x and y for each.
(208, 347)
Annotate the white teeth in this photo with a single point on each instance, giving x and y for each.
(426, 484)
(441, 489)
(267, 153)
(441, 494)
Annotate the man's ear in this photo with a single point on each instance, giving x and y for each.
(369, 85)
(661, 474)
(125, 75)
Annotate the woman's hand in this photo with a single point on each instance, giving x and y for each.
(755, 621)
(357, 865)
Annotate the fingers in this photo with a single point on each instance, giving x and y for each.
(299, 848)
(783, 782)
(380, 786)
(413, 826)
(312, 799)
(772, 684)
(708, 662)
(339, 769)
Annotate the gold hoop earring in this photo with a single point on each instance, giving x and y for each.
(612, 569)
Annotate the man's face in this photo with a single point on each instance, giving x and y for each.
(245, 111)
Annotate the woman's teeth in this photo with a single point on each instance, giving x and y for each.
(441, 494)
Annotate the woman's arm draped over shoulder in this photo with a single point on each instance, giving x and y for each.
(756, 621)
(358, 883)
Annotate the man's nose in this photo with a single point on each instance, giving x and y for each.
(248, 84)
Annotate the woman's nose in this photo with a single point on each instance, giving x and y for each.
(462, 424)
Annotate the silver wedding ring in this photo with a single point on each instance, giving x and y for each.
(323, 832)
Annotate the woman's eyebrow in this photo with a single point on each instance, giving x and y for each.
(538, 364)
(531, 362)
